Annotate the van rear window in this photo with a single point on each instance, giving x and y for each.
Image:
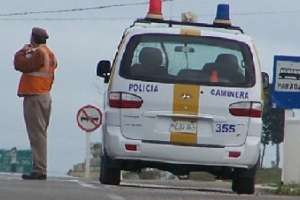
(188, 59)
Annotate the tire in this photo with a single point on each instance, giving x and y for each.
(243, 185)
(109, 174)
(243, 181)
(234, 185)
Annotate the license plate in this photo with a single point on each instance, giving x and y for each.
(181, 126)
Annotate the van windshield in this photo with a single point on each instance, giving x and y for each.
(188, 59)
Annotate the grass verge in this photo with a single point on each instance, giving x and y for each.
(288, 190)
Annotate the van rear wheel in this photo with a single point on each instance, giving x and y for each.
(109, 174)
(243, 185)
(243, 181)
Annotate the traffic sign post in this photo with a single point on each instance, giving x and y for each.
(89, 118)
(286, 95)
(87, 155)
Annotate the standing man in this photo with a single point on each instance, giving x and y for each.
(37, 64)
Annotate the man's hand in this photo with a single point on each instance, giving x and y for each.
(27, 49)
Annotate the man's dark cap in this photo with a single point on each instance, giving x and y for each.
(36, 31)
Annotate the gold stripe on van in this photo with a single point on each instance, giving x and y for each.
(183, 138)
(190, 31)
(185, 101)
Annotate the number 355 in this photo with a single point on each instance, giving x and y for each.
(225, 128)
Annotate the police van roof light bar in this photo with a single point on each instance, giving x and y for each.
(155, 7)
(223, 16)
(171, 23)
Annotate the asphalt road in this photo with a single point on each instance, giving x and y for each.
(13, 188)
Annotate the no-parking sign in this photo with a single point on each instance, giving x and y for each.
(89, 118)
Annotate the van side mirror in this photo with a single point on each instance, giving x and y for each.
(266, 80)
(103, 70)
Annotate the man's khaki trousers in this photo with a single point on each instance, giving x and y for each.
(37, 109)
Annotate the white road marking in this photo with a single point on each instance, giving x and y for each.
(81, 183)
(266, 187)
(11, 176)
(115, 197)
(146, 185)
(86, 185)
(172, 187)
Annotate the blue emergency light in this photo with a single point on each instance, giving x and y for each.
(223, 15)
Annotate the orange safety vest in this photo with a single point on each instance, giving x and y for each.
(214, 77)
(39, 82)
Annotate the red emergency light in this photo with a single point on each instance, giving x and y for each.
(155, 7)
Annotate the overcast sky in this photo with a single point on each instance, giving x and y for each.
(80, 44)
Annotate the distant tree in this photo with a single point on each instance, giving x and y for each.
(273, 126)
(266, 118)
(277, 128)
(277, 131)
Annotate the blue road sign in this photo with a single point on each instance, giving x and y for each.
(286, 86)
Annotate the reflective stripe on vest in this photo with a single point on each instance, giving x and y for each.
(41, 74)
(39, 82)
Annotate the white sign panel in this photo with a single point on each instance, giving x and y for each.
(287, 76)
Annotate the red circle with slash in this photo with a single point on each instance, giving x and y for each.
(89, 118)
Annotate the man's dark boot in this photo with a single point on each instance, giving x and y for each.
(34, 176)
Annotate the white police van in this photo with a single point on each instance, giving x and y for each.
(183, 97)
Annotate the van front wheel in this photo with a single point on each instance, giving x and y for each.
(109, 174)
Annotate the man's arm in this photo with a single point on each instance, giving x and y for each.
(28, 63)
(20, 60)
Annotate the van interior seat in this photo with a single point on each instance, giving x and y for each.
(151, 56)
(193, 74)
(208, 68)
(150, 59)
(228, 68)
